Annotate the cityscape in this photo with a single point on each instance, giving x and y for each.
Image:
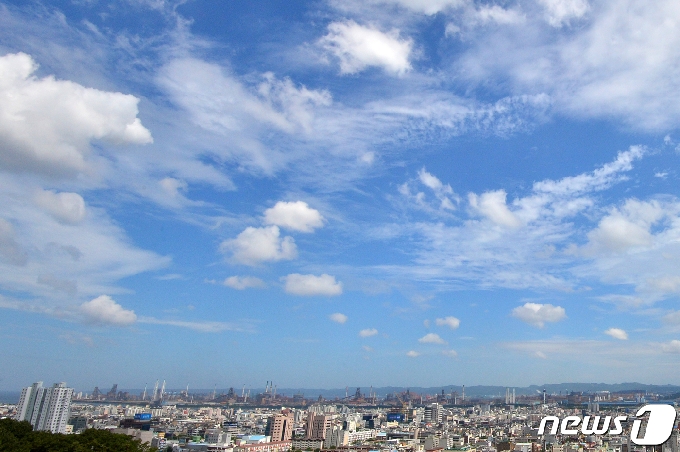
(360, 421)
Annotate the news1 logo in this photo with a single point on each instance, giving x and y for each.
(659, 426)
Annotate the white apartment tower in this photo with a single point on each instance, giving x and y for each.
(45, 408)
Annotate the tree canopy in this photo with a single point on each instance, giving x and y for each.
(18, 436)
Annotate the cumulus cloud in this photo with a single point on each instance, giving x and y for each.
(412, 354)
(297, 216)
(617, 333)
(243, 282)
(539, 314)
(338, 318)
(671, 347)
(450, 353)
(492, 205)
(256, 245)
(368, 332)
(627, 227)
(450, 321)
(104, 310)
(431, 338)
(326, 285)
(46, 125)
(359, 47)
(65, 207)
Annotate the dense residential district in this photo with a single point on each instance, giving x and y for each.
(398, 422)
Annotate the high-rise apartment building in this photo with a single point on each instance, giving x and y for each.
(317, 424)
(433, 413)
(45, 408)
(280, 427)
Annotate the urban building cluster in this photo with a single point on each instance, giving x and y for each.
(403, 422)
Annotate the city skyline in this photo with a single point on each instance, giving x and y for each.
(388, 192)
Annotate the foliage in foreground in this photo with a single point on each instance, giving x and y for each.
(18, 436)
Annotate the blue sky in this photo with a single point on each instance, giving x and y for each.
(339, 192)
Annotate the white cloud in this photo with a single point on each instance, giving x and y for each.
(236, 118)
(200, 326)
(412, 354)
(65, 207)
(431, 338)
(619, 234)
(498, 15)
(627, 227)
(46, 125)
(559, 12)
(597, 180)
(256, 245)
(443, 192)
(297, 216)
(243, 282)
(368, 332)
(104, 310)
(172, 189)
(450, 353)
(636, 244)
(359, 47)
(671, 347)
(66, 250)
(338, 318)
(310, 285)
(555, 216)
(538, 314)
(492, 205)
(450, 321)
(617, 62)
(617, 333)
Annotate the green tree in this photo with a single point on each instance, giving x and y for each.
(19, 437)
